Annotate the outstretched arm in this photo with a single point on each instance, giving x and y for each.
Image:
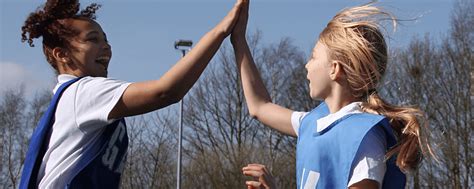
(258, 100)
(143, 97)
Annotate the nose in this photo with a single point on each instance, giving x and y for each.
(107, 46)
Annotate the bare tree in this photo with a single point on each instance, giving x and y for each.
(221, 136)
(219, 131)
(18, 117)
(11, 118)
(436, 78)
(151, 158)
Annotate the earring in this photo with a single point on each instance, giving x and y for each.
(66, 61)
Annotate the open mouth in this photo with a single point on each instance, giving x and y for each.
(103, 60)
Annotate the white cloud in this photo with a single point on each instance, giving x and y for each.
(13, 75)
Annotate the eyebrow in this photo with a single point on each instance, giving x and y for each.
(92, 33)
(97, 33)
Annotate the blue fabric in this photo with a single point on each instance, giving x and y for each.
(330, 154)
(101, 164)
(36, 148)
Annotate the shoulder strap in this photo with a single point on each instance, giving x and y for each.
(36, 148)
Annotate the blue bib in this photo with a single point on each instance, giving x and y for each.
(325, 159)
(101, 164)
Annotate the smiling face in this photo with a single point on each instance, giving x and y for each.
(319, 68)
(90, 51)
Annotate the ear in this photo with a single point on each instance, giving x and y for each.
(61, 55)
(336, 71)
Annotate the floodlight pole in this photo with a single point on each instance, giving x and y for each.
(183, 46)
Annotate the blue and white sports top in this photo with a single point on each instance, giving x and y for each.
(325, 158)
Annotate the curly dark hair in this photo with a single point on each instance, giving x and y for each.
(46, 22)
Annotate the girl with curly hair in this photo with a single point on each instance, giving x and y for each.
(81, 141)
(353, 139)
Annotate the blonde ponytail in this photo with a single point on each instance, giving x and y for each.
(407, 124)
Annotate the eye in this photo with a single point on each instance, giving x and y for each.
(93, 39)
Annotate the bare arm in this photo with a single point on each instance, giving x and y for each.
(258, 100)
(143, 97)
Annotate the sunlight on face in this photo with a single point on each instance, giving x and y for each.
(91, 52)
(318, 72)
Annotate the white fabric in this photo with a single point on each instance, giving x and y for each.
(351, 108)
(81, 116)
(296, 118)
(370, 156)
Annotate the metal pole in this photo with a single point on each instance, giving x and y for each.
(180, 137)
(178, 176)
(183, 46)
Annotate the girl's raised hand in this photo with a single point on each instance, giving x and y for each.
(227, 24)
(240, 27)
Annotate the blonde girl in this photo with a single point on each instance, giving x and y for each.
(353, 139)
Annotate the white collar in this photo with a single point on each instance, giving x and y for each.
(63, 78)
(324, 122)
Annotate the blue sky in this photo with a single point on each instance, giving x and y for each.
(142, 32)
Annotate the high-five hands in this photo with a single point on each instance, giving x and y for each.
(228, 22)
(240, 27)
